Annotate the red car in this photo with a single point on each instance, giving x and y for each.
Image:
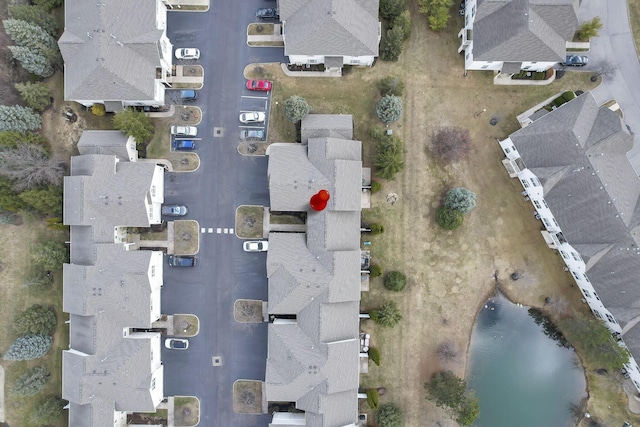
(264, 85)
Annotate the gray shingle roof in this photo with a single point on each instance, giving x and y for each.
(111, 49)
(523, 30)
(326, 125)
(108, 142)
(104, 193)
(103, 369)
(594, 196)
(314, 360)
(330, 27)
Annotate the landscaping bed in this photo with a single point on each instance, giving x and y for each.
(250, 222)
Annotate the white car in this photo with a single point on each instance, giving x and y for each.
(188, 53)
(176, 343)
(252, 117)
(255, 246)
(184, 130)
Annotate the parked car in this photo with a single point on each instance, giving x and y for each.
(267, 12)
(184, 130)
(255, 246)
(187, 95)
(252, 134)
(188, 53)
(264, 85)
(182, 261)
(174, 210)
(184, 144)
(575, 61)
(176, 343)
(252, 117)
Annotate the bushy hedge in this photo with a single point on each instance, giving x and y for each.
(375, 270)
(373, 398)
(395, 281)
(374, 355)
(448, 218)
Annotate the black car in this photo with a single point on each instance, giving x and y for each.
(182, 261)
(575, 61)
(267, 12)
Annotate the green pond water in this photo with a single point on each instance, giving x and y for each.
(521, 377)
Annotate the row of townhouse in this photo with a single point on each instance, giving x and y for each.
(112, 294)
(572, 165)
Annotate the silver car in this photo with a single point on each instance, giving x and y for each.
(184, 130)
(252, 117)
(252, 134)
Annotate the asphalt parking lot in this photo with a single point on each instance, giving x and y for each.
(225, 180)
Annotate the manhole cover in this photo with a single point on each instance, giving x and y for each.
(493, 121)
(216, 361)
(218, 132)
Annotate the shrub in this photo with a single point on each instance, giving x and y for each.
(376, 228)
(375, 187)
(29, 347)
(391, 85)
(98, 110)
(295, 108)
(375, 270)
(388, 315)
(373, 398)
(448, 218)
(460, 199)
(395, 281)
(374, 355)
(32, 381)
(38, 280)
(451, 143)
(449, 391)
(388, 415)
(36, 319)
(589, 29)
(389, 109)
(437, 11)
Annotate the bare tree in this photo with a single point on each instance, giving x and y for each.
(29, 166)
(448, 352)
(451, 143)
(605, 69)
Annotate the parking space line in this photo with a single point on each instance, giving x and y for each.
(251, 127)
(254, 97)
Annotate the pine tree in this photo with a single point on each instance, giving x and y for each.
(50, 255)
(47, 5)
(17, 118)
(29, 347)
(32, 60)
(35, 95)
(389, 109)
(32, 381)
(36, 16)
(47, 201)
(460, 199)
(37, 319)
(11, 139)
(48, 410)
(29, 35)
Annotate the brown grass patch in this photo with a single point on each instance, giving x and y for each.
(250, 222)
(186, 237)
(247, 397)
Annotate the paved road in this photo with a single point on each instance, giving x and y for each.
(615, 45)
(224, 181)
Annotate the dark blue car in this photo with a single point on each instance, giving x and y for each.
(184, 144)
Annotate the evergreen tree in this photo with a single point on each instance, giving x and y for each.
(9, 199)
(388, 315)
(51, 254)
(48, 410)
(389, 109)
(35, 95)
(391, 46)
(388, 415)
(32, 381)
(389, 9)
(590, 29)
(460, 199)
(36, 319)
(32, 60)
(29, 35)
(47, 5)
(29, 347)
(17, 118)
(134, 123)
(12, 139)
(47, 201)
(391, 85)
(36, 16)
(389, 158)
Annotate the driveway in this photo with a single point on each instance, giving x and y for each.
(224, 181)
(615, 45)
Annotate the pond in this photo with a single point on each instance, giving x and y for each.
(521, 377)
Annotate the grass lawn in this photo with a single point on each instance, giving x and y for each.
(449, 272)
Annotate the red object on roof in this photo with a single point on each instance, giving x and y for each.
(319, 200)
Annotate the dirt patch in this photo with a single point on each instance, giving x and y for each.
(247, 397)
(186, 237)
(248, 311)
(185, 325)
(250, 222)
(186, 412)
(253, 148)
